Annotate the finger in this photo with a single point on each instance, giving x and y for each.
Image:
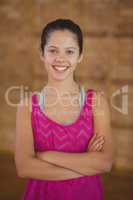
(96, 138)
(96, 144)
(93, 138)
(97, 141)
(93, 142)
(99, 148)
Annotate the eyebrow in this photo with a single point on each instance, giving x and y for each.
(66, 47)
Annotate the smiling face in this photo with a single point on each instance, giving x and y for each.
(61, 55)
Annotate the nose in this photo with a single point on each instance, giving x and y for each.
(60, 58)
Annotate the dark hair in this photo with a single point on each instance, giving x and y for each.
(62, 24)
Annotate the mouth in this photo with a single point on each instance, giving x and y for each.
(60, 68)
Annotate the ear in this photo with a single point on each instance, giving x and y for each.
(41, 55)
(80, 58)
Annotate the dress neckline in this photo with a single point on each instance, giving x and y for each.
(59, 123)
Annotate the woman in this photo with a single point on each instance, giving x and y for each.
(64, 143)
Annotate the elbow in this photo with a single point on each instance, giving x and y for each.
(107, 166)
(108, 160)
(22, 166)
(20, 171)
(21, 174)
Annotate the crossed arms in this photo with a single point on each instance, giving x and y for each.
(56, 165)
(90, 162)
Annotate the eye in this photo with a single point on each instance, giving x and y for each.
(52, 51)
(70, 52)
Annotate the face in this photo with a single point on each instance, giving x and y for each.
(61, 55)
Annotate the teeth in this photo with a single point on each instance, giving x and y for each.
(60, 68)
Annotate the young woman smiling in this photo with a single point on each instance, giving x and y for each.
(64, 143)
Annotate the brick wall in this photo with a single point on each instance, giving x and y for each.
(108, 47)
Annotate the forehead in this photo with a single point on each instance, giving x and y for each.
(63, 38)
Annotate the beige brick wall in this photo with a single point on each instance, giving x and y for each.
(108, 62)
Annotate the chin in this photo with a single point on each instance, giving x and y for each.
(60, 76)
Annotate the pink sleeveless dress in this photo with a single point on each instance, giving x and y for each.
(74, 137)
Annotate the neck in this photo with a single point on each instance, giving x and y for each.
(63, 87)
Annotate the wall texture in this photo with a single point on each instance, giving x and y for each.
(108, 47)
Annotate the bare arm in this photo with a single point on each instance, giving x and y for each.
(27, 164)
(89, 163)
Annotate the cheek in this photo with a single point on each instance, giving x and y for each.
(49, 59)
(74, 61)
(74, 58)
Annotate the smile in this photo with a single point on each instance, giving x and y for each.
(60, 68)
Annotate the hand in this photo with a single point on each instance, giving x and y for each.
(96, 143)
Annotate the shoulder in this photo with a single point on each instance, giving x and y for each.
(23, 107)
(26, 102)
(100, 102)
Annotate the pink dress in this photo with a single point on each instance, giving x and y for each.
(51, 135)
